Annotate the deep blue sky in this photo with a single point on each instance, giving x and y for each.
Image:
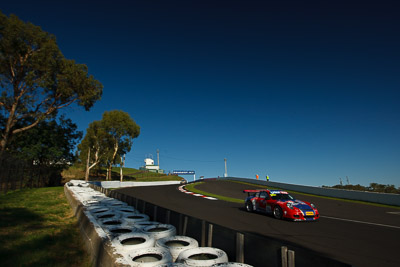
(304, 92)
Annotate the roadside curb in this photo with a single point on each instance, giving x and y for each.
(183, 190)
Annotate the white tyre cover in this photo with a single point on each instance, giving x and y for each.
(160, 230)
(111, 222)
(97, 209)
(90, 202)
(143, 224)
(133, 241)
(113, 203)
(124, 209)
(107, 215)
(193, 256)
(116, 230)
(134, 218)
(231, 264)
(172, 264)
(176, 244)
(150, 257)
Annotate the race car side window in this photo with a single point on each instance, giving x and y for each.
(264, 195)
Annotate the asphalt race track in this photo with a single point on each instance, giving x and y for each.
(358, 234)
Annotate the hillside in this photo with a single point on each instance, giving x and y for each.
(130, 174)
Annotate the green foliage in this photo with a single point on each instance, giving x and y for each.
(50, 143)
(121, 128)
(373, 187)
(96, 139)
(36, 79)
(107, 140)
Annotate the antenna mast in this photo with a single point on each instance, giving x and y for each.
(226, 169)
(158, 157)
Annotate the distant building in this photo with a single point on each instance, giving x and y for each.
(149, 166)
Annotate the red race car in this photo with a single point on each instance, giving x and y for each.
(280, 204)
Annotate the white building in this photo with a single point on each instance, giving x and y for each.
(149, 166)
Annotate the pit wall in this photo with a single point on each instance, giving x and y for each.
(381, 198)
(241, 247)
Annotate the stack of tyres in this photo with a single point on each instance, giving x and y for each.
(142, 242)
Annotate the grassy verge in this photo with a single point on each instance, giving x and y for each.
(37, 228)
(130, 174)
(192, 188)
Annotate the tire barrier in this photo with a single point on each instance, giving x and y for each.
(176, 244)
(231, 264)
(149, 257)
(106, 201)
(117, 230)
(202, 256)
(113, 203)
(133, 241)
(97, 209)
(173, 264)
(107, 215)
(160, 230)
(143, 224)
(91, 202)
(132, 219)
(129, 238)
(127, 210)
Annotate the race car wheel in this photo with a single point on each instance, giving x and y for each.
(249, 206)
(278, 212)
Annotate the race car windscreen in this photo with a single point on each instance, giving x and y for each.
(281, 197)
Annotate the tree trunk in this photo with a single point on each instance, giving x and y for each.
(109, 176)
(87, 167)
(120, 169)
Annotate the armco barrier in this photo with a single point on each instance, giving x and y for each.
(381, 198)
(249, 248)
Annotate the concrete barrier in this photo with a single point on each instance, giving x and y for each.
(380, 198)
(95, 239)
(118, 184)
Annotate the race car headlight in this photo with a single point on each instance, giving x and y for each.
(313, 206)
(289, 205)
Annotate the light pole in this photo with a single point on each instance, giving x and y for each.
(226, 169)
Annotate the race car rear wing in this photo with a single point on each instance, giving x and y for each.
(253, 190)
(249, 191)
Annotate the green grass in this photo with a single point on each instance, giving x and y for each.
(192, 188)
(130, 174)
(38, 228)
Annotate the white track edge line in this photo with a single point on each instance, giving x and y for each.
(348, 220)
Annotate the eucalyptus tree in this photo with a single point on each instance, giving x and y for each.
(108, 140)
(94, 147)
(122, 129)
(36, 80)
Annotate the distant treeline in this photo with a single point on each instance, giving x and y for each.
(373, 187)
